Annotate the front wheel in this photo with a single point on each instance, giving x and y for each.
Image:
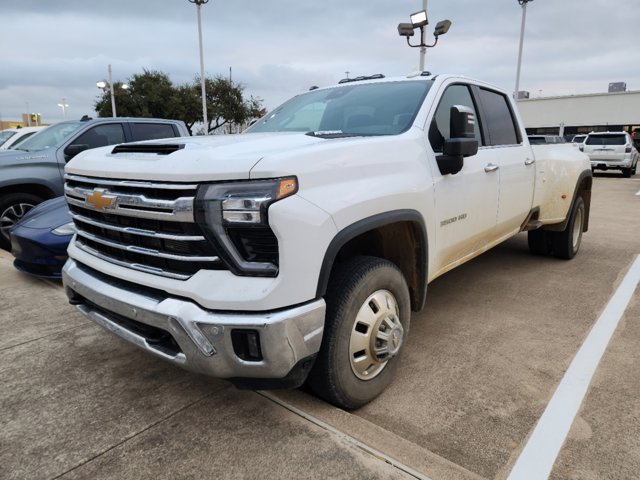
(567, 243)
(13, 207)
(367, 323)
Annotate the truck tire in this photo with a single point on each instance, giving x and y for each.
(567, 243)
(12, 208)
(540, 242)
(367, 322)
(626, 172)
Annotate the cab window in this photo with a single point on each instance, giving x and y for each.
(102, 135)
(439, 126)
(498, 118)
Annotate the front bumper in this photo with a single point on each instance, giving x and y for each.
(182, 332)
(38, 252)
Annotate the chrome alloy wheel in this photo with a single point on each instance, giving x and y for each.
(11, 216)
(376, 336)
(577, 229)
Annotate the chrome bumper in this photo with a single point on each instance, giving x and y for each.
(187, 335)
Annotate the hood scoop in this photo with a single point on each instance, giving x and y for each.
(158, 149)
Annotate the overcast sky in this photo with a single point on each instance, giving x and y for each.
(58, 49)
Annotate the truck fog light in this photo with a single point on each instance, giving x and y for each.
(246, 344)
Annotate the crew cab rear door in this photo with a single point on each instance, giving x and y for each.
(506, 149)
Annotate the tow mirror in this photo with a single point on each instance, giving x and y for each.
(462, 142)
(74, 149)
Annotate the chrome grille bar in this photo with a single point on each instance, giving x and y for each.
(178, 210)
(136, 231)
(133, 266)
(146, 251)
(130, 183)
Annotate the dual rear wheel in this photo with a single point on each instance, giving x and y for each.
(564, 244)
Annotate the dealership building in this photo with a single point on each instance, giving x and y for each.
(573, 114)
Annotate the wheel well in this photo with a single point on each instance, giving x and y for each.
(403, 243)
(32, 188)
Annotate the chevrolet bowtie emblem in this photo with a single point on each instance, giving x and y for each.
(100, 201)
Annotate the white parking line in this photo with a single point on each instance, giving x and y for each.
(539, 454)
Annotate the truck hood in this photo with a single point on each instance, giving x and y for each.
(16, 157)
(217, 157)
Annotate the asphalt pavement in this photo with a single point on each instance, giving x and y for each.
(480, 367)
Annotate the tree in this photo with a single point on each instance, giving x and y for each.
(152, 94)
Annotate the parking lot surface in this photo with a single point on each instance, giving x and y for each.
(481, 364)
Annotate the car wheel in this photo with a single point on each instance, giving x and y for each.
(539, 242)
(626, 172)
(567, 243)
(367, 323)
(12, 208)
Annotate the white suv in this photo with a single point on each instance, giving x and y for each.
(611, 150)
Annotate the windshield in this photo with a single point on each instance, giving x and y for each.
(350, 110)
(6, 135)
(578, 139)
(50, 137)
(606, 140)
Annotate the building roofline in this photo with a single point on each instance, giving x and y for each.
(578, 95)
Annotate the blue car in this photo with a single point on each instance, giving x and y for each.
(39, 241)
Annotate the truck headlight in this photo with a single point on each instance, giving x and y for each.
(234, 217)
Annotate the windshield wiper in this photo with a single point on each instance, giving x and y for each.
(332, 134)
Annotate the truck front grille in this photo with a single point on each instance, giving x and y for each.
(140, 225)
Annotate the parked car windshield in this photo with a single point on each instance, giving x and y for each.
(606, 140)
(6, 135)
(349, 110)
(50, 137)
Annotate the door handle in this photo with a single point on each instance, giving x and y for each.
(491, 167)
(530, 161)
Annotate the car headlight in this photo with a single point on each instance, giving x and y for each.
(234, 217)
(66, 229)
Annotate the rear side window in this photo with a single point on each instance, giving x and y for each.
(151, 131)
(498, 119)
(102, 135)
(606, 140)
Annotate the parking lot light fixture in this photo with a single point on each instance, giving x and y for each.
(109, 85)
(523, 4)
(64, 107)
(420, 20)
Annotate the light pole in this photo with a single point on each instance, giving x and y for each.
(522, 3)
(423, 48)
(64, 106)
(199, 4)
(109, 84)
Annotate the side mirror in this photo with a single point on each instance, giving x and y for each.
(74, 149)
(462, 142)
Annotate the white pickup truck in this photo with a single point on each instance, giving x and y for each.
(297, 250)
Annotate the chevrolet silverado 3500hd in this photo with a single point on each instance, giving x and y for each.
(297, 250)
